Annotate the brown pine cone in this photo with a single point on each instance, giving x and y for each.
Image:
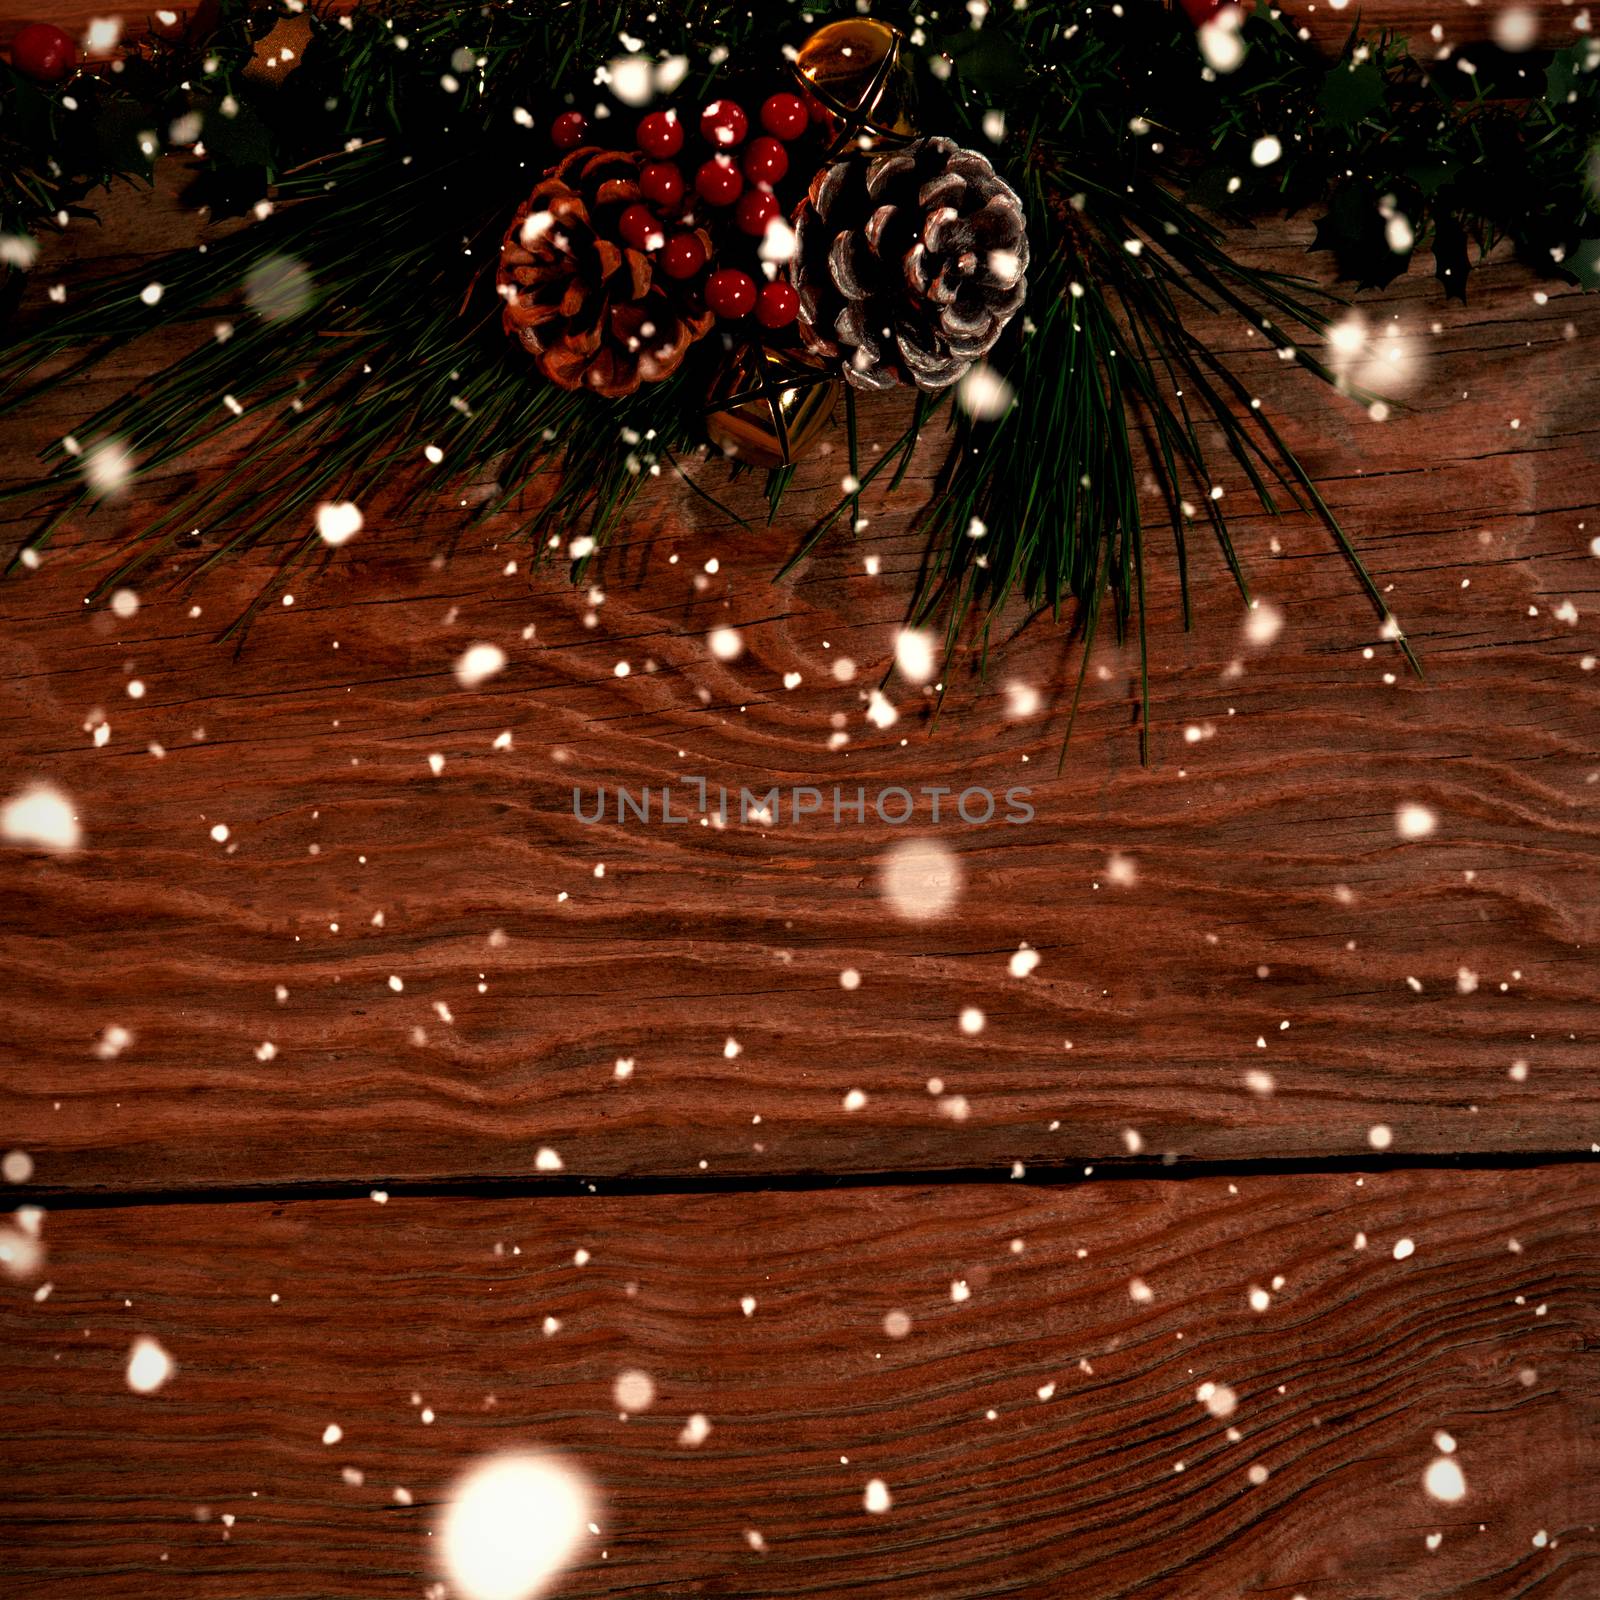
(590, 309)
(909, 263)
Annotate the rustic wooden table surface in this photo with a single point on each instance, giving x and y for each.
(413, 1112)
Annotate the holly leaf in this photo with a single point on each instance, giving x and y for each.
(1351, 92)
(1561, 76)
(989, 62)
(1353, 230)
(121, 129)
(240, 140)
(32, 109)
(1450, 264)
(1432, 173)
(1584, 263)
(1208, 189)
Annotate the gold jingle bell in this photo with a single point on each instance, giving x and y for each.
(278, 53)
(767, 407)
(857, 72)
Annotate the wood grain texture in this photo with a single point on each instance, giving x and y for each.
(1246, 904)
(286, 1318)
(386, 973)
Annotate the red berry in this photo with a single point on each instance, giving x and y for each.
(660, 134)
(784, 116)
(765, 160)
(567, 131)
(638, 227)
(730, 293)
(777, 305)
(756, 211)
(683, 257)
(718, 181)
(43, 51)
(661, 182)
(724, 124)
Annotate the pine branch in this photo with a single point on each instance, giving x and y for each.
(375, 181)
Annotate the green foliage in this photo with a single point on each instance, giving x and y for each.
(1351, 92)
(395, 151)
(1479, 147)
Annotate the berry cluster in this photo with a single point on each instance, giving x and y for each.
(736, 178)
(43, 51)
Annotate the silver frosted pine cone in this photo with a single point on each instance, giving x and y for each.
(909, 263)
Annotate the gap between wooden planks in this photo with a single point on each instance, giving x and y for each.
(1039, 1428)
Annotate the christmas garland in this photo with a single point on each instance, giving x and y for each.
(707, 226)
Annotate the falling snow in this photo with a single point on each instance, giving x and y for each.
(149, 1366)
(920, 879)
(338, 522)
(633, 1390)
(40, 817)
(478, 663)
(1444, 1480)
(511, 1526)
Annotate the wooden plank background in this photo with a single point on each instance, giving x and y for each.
(416, 1328)
(1245, 970)
(1276, 920)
